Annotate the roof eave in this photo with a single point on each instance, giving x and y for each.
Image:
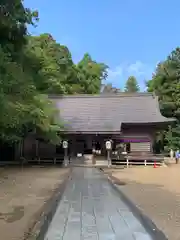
(163, 121)
(89, 132)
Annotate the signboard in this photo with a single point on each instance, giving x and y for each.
(65, 144)
(108, 145)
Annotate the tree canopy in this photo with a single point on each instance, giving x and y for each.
(166, 84)
(31, 68)
(131, 85)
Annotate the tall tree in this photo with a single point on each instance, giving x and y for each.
(57, 73)
(22, 106)
(31, 67)
(166, 84)
(53, 64)
(90, 75)
(13, 25)
(131, 85)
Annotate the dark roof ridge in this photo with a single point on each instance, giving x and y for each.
(105, 95)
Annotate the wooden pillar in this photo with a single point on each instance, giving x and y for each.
(73, 145)
(37, 150)
(20, 149)
(153, 136)
(89, 141)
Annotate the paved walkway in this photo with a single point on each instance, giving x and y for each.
(92, 209)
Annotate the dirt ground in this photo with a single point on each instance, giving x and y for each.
(156, 192)
(23, 194)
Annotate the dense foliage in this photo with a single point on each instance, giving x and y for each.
(31, 68)
(166, 84)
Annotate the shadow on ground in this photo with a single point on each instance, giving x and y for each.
(16, 214)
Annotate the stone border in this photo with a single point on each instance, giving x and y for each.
(148, 224)
(38, 229)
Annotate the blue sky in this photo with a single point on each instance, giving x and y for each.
(130, 36)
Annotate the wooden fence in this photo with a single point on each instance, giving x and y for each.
(139, 160)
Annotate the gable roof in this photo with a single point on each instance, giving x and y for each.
(106, 112)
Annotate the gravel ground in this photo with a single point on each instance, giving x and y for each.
(23, 193)
(156, 192)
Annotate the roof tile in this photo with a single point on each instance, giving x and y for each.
(102, 112)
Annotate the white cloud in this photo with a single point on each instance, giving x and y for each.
(138, 69)
(118, 75)
(117, 72)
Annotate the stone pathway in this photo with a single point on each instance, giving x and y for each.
(92, 209)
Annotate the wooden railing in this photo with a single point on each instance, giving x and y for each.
(145, 160)
(56, 159)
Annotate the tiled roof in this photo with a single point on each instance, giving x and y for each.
(106, 112)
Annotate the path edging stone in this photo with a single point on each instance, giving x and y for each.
(148, 224)
(39, 229)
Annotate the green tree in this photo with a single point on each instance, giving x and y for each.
(57, 74)
(52, 62)
(31, 67)
(131, 85)
(90, 75)
(13, 25)
(166, 84)
(22, 108)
